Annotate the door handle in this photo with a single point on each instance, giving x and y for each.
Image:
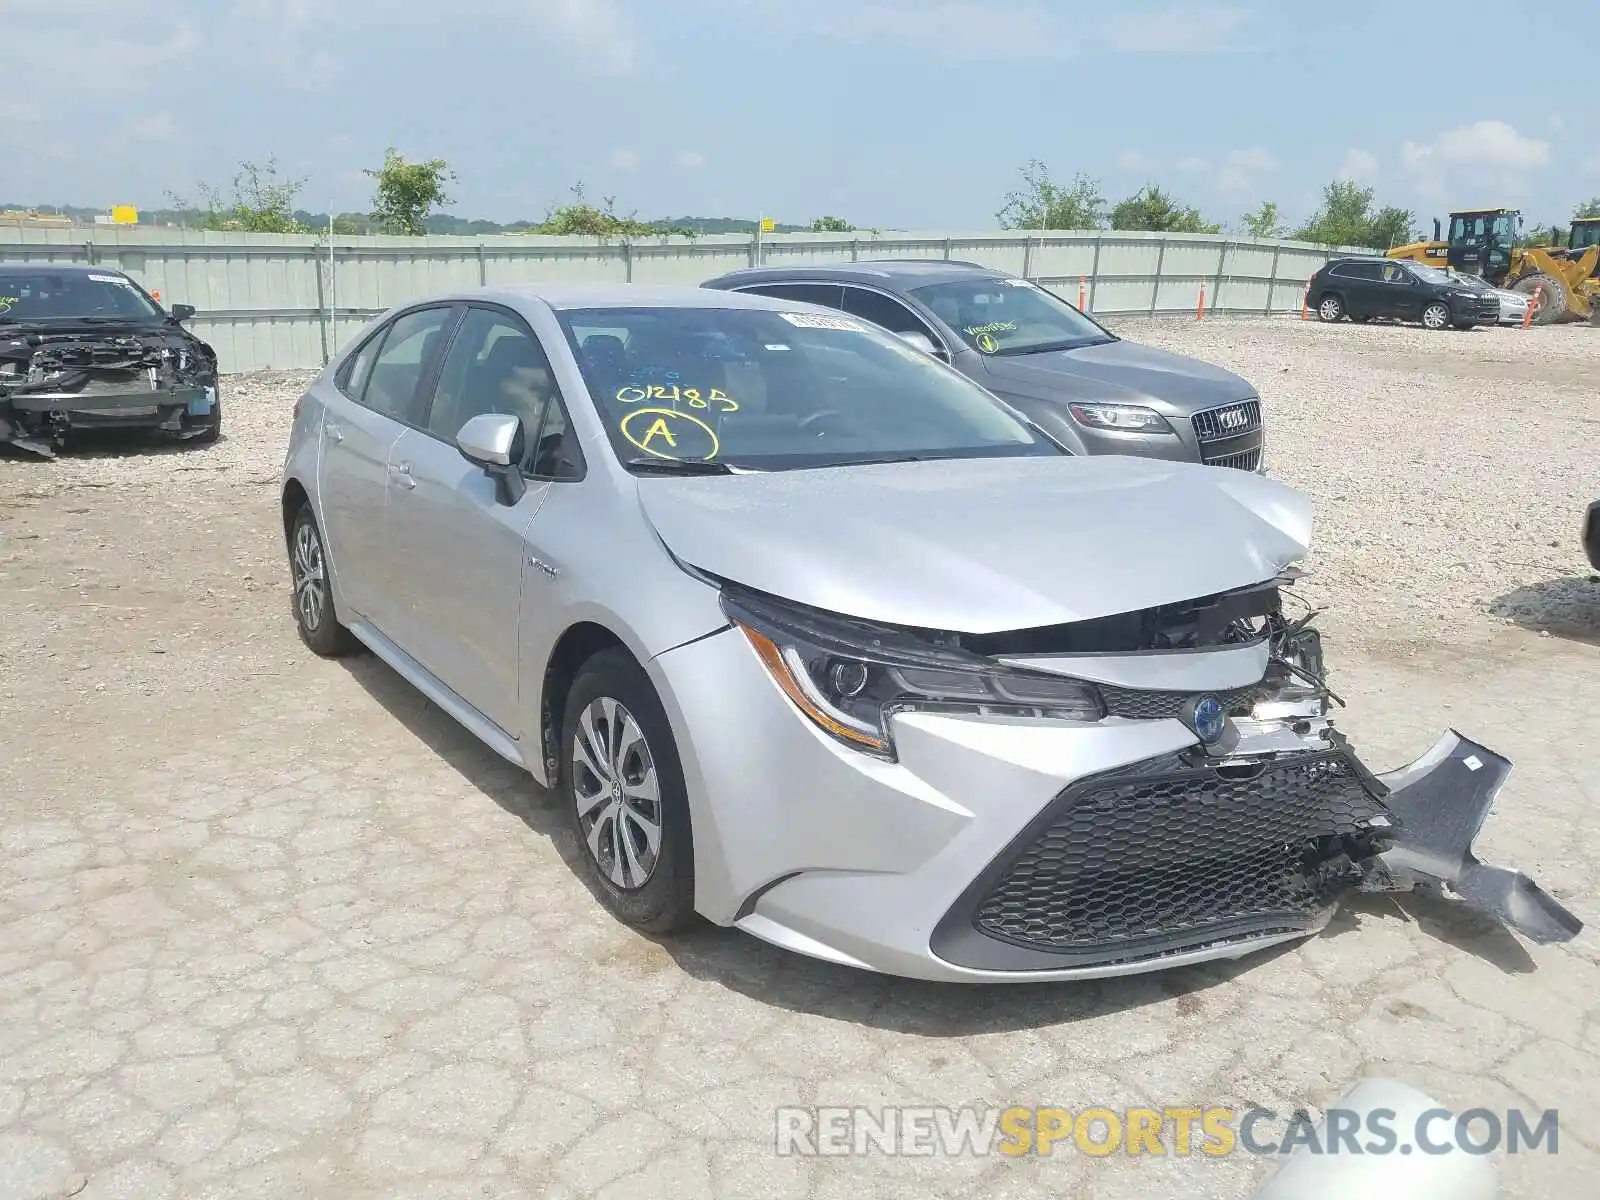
(333, 432)
(403, 472)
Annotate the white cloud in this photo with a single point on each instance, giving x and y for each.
(1237, 174)
(1175, 29)
(1135, 161)
(1483, 154)
(1359, 166)
(623, 159)
(157, 127)
(691, 160)
(997, 29)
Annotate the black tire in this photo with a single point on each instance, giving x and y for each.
(318, 623)
(1330, 307)
(664, 901)
(212, 431)
(1552, 303)
(1465, 325)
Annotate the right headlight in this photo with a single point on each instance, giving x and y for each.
(1126, 418)
(850, 677)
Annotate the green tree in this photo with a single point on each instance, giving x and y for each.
(1590, 208)
(1154, 210)
(407, 192)
(260, 203)
(1043, 204)
(579, 218)
(832, 225)
(1346, 218)
(1265, 222)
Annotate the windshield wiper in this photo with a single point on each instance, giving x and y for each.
(677, 466)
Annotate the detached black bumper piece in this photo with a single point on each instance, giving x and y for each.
(1179, 854)
(1591, 532)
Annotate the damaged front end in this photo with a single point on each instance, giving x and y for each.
(54, 381)
(1250, 836)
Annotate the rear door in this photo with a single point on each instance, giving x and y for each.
(1359, 281)
(459, 552)
(374, 403)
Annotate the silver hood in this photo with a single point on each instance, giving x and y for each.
(985, 545)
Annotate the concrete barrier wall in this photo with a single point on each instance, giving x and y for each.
(290, 300)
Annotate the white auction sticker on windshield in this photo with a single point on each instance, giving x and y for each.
(110, 279)
(1020, 283)
(821, 321)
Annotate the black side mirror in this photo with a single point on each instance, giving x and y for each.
(182, 312)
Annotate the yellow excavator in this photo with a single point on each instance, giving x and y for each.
(1483, 242)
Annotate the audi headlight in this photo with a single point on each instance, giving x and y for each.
(1128, 418)
(850, 677)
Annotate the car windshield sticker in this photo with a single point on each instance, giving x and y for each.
(983, 336)
(667, 433)
(111, 279)
(1022, 283)
(693, 397)
(821, 321)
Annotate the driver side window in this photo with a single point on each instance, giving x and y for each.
(495, 365)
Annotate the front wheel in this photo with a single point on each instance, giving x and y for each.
(624, 793)
(1330, 308)
(1436, 316)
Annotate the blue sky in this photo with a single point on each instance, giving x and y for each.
(893, 113)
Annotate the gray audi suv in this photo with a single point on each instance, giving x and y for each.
(1089, 389)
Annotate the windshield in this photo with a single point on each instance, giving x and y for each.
(1009, 316)
(1471, 282)
(1585, 234)
(775, 390)
(44, 295)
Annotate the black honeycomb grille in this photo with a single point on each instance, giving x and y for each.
(1153, 706)
(1163, 855)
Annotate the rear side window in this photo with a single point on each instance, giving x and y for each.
(408, 351)
(352, 380)
(1357, 271)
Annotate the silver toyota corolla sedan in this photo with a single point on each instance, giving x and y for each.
(812, 635)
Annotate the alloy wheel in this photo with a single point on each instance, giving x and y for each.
(1330, 309)
(1436, 316)
(309, 576)
(617, 793)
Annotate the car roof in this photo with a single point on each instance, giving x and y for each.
(561, 295)
(907, 272)
(57, 268)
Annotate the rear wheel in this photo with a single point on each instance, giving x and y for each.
(1552, 304)
(1436, 315)
(314, 613)
(1330, 307)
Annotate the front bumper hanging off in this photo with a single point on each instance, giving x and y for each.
(1439, 803)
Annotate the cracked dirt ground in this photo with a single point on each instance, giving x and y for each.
(273, 926)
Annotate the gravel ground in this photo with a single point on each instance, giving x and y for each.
(274, 926)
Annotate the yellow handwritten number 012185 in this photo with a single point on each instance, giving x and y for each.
(693, 397)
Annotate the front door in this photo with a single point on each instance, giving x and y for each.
(1402, 293)
(458, 552)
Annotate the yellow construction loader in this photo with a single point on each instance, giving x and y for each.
(1483, 242)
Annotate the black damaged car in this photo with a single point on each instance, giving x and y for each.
(86, 348)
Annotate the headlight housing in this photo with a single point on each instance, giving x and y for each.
(1125, 418)
(850, 677)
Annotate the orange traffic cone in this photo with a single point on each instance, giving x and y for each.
(1083, 295)
(1533, 305)
(1200, 310)
(1305, 302)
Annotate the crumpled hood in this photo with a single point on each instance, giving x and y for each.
(1120, 372)
(985, 545)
